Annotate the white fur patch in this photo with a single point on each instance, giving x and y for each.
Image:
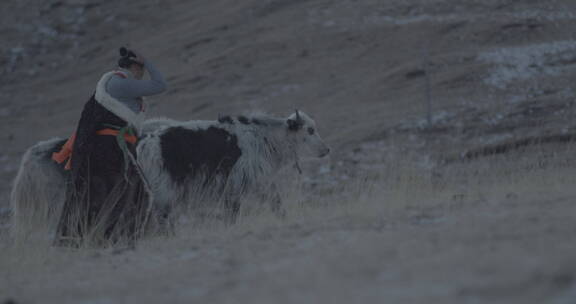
(266, 150)
(115, 106)
(38, 194)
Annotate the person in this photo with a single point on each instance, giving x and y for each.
(107, 200)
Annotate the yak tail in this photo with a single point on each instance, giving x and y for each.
(37, 196)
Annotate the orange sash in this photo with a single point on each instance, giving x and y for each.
(128, 137)
(65, 154)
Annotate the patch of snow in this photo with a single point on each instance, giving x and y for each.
(547, 16)
(426, 162)
(110, 19)
(4, 212)
(356, 18)
(566, 93)
(493, 120)
(47, 31)
(494, 139)
(382, 20)
(512, 64)
(325, 169)
(188, 255)
(437, 117)
(17, 55)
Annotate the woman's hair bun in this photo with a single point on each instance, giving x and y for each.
(124, 52)
(126, 58)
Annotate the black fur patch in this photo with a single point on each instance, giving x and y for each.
(186, 153)
(243, 120)
(226, 119)
(294, 125)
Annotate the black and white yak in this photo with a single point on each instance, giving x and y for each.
(186, 164)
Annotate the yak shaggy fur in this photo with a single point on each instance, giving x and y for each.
(187, 165)
(208, 163)
(38, 192)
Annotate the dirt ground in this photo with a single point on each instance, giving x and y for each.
(411, 207)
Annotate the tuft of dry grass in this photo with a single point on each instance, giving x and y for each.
(494, 228)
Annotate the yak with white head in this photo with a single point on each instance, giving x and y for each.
(231, 156)
(227, 159)
(304, 131)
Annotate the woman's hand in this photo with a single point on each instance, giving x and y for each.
(139, 58)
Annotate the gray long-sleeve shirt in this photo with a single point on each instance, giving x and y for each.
(130, 91)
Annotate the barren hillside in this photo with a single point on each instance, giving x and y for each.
(498, 75)
(497, 69)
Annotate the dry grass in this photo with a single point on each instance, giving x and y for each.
(496, 229)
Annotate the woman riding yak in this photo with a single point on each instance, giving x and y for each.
(107, 200)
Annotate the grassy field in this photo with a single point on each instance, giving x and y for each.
(495, 230)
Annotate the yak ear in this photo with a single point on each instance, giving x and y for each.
(293, 125)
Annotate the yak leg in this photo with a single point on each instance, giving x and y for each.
(276, 203)
(231, 208)
(165, 219)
